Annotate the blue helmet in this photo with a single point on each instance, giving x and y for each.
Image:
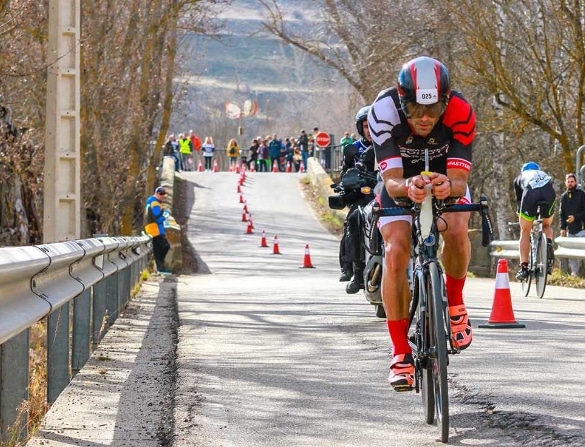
(530, 166)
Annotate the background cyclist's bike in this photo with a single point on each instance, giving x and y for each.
(539, 258)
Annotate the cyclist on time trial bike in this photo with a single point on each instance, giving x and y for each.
(533, 186)
(422, 112)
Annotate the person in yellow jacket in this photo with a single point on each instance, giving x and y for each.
(185, 151)
(233, 152)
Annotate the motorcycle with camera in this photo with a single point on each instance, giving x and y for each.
(360, 186)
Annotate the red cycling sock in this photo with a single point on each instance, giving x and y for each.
(398, 330)
(454, 288)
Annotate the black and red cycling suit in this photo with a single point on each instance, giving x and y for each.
(449, 143)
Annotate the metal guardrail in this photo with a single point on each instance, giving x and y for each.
(567, 247)
(95, 275)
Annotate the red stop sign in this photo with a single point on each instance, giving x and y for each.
(322, 139)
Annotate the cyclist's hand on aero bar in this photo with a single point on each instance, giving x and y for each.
(441, 185)
(415, 188)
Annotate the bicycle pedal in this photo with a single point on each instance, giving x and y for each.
(402, 388)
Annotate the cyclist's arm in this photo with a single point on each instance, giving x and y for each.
(394, 182)
(458, 182)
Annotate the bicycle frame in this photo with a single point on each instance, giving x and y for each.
(431, 337)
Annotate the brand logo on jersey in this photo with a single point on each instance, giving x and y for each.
(408, 140)
(383, 165)
(432, 141)
(458, 163)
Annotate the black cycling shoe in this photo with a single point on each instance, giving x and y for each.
(522, 274)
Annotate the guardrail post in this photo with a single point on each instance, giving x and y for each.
(14, 378)
(112, 298)
(57, 352)
(81, 331)
(99, 311)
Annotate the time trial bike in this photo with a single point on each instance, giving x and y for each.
(430, 334)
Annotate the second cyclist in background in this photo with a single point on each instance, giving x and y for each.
(360, 154)
(532, 186)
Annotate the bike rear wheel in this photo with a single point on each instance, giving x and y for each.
(438, 359)
(541, 266)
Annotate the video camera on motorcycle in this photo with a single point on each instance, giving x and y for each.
(336, 202)
(355, 183)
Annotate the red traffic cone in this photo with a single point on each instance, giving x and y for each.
(253, 166)
(215, 166)
(275, 248)
(307, 261)
(288, 167)
(274, 166)
(301, 168)
(199, 167)
(237, 167)
(502, 315)
(245, 206)
(250, 220)
(244, 217)
(241, 198)
(250, 227)
(263, 240)
(231, 168)
(239, 190)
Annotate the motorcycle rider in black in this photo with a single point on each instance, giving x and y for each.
(360, 155)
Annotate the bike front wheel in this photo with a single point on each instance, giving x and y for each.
(541, 266)
(438, 361)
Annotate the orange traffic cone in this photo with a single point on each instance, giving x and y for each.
(307, 261)
(199, 167)
(288, 167)
(263, 240)
(275, 248)
(274, 166)
(250, 220)
(241, 198)
(250, 227)
(502, 313)
(215, 166)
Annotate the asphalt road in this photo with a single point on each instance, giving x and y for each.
(256, 351)
(271, 354)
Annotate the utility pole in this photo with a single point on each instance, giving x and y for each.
(62, 202)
